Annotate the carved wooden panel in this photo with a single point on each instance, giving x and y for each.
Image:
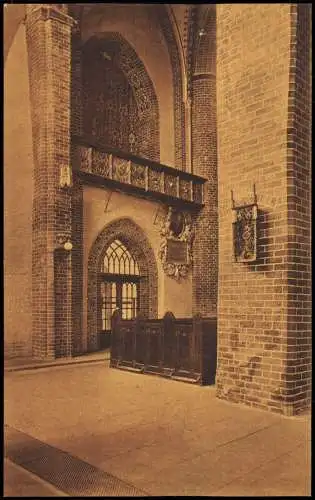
(178, 348)
(138, 175)
(155, 180)
(85, 156)
(121, 169)
(100, 163)
(170, 185)
(185, 189)
(197, 192)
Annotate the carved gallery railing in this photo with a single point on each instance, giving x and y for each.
(137, 175)
(181, 349)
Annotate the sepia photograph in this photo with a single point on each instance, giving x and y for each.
(157, 249)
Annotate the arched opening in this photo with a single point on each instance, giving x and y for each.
(122, 273)
(120, 107)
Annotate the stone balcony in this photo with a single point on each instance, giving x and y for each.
(103, 166)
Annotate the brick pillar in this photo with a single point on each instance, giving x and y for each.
(48, 29)
(77, 193)
(204, 163)
(264, 333)
(297, 382)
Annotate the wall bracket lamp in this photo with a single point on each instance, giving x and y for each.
(64, 242)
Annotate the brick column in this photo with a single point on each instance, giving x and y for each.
(77, 192)
(204, 163)
(296, 391)
(264, 123)
(48, 29)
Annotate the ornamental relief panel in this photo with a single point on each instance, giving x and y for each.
(138, 177)
(197, 192)
(85, 157)
(155, 180)
(100, 163)
(185, 189)
(121, 170)
(170, 184)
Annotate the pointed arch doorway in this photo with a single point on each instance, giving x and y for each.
(122, 272)
(120, 287)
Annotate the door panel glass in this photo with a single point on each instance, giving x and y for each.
(119, 287)
(108, 302)
(129, 300)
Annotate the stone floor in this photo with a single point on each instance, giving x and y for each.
(87, 428)
(17, 364)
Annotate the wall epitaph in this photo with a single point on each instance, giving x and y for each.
(245, 231)
(176, 246)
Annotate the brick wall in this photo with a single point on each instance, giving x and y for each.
(255, 304)
(18, 191)
(204, 163)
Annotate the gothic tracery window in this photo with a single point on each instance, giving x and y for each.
(118, 260)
